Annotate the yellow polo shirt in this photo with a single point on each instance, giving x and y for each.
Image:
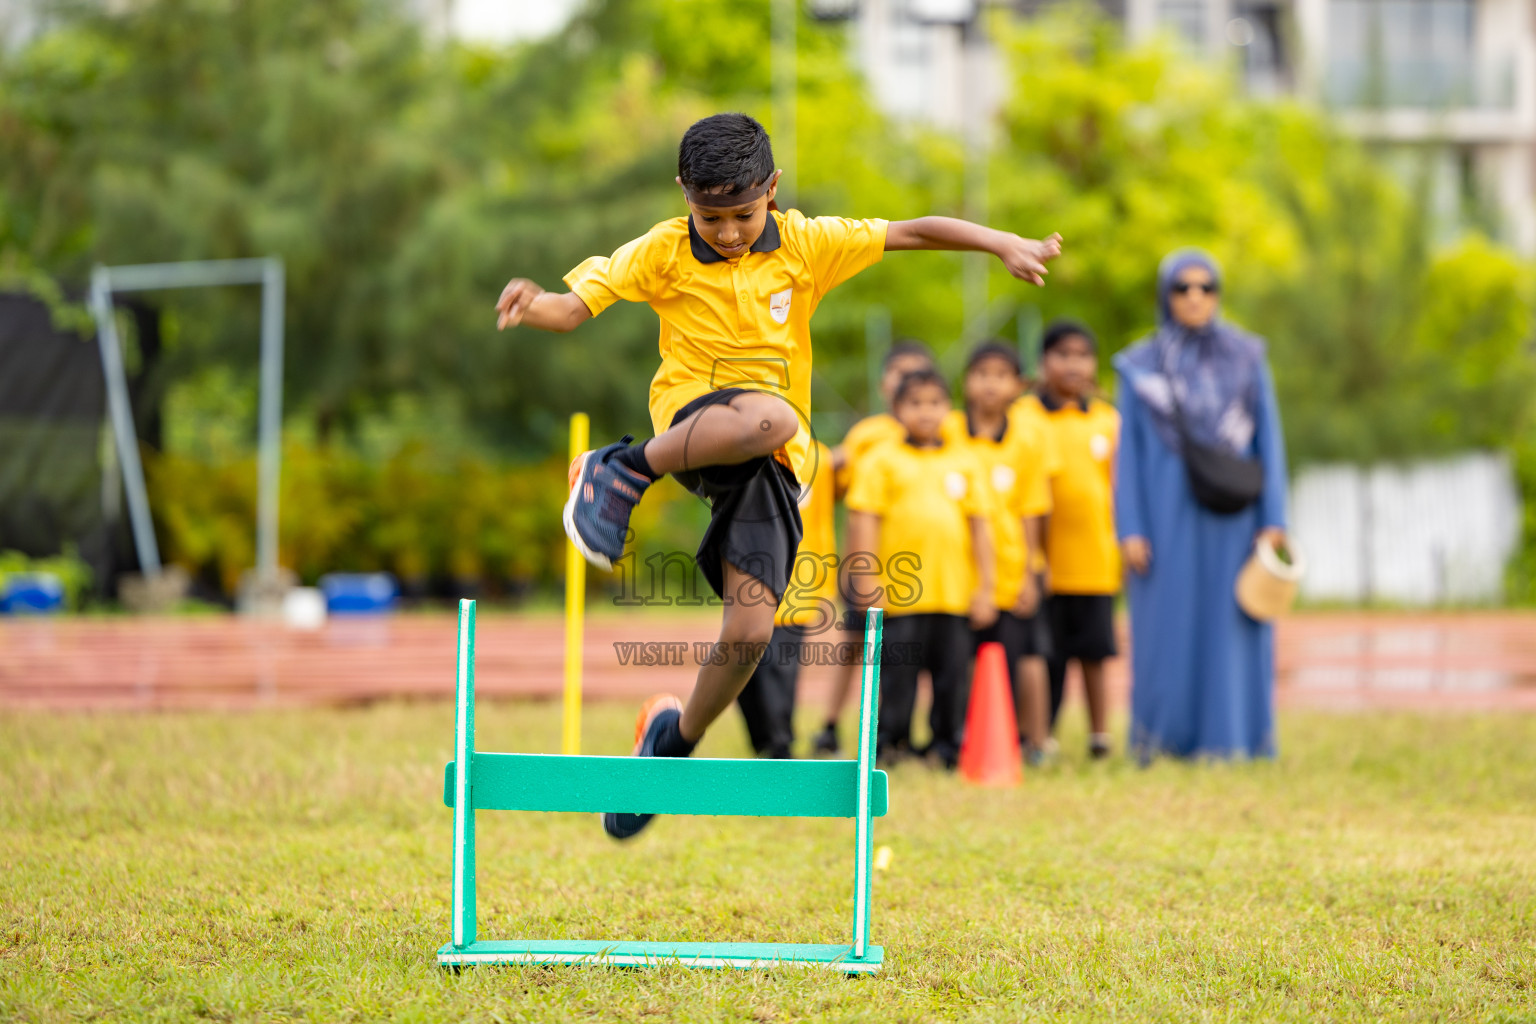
(811, 598)
(925, 498)
(1015, 468)
(863, 437)
(742, 322)
(1080, 543)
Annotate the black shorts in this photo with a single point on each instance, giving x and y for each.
(1082, 625)
(754, 518)
(1021, 638)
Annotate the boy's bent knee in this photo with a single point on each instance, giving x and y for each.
(768, 424)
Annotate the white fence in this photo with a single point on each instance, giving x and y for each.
(1425, 533)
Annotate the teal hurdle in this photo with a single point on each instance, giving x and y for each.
(476, 781)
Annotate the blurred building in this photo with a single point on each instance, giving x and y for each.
(1446, 87)
(1443, 88)
(493, 21)
(926, 60)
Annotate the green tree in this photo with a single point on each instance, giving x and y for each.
(181, 130)
(403, 183)
(1383, 346)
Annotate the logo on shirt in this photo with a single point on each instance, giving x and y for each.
(954, 485)
(1098, 444)
(1002, 479)
(778, 305)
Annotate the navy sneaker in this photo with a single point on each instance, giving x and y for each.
(654, 714)
(603, 494)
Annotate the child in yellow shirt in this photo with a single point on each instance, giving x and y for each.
(734, 284)
(1014, 453)
(905, 356)
(920, 507)
(1080, 536)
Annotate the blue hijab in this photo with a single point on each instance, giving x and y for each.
(1213, 370)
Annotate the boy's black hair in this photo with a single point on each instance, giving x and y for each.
(906, 347)
(725, 151)
(996, 348)
(1060, 330)
(917, 379)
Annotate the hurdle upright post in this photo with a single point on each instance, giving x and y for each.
(575, 611)
(869, 720)
(463, 806)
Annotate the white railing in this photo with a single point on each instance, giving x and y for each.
(1425, 533)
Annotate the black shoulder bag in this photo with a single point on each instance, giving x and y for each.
(1222, 482)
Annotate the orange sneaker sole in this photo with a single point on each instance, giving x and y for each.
(648, 712)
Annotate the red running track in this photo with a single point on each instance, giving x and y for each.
(1341, 661)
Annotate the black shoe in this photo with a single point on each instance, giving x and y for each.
(1098, 746)
(825, 744)
(656, 713)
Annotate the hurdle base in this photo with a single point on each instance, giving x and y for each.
(717, 955)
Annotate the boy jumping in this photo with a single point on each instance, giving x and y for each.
(735, 284)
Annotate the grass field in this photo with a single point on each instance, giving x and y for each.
(295, 867)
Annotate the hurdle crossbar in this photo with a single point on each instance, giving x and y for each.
(477, 780)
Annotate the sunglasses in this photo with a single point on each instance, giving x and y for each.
(1183, 288)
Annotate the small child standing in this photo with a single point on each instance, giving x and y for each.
(920, 505)
(905, 356)
(1080, 536)
(1014, 453)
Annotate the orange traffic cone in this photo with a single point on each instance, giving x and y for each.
(989, 756)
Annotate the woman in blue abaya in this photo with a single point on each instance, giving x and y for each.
(1202, 671)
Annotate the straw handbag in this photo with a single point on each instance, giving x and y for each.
(1267, 584)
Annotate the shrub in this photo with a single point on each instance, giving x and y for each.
(442, 524)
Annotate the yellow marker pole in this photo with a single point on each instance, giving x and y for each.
(575, 610)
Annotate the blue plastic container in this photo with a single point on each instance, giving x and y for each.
(31, 593)
(359, 593)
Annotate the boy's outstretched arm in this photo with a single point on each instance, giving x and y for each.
(523, 302)
(1025, 258)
